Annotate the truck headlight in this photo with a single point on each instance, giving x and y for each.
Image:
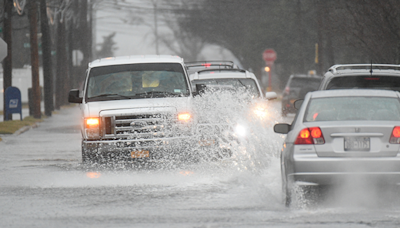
(184, 117)
(92, 127)
(260, 112)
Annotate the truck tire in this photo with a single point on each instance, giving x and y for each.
(89, 153)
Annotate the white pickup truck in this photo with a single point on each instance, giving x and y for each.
(135, 107)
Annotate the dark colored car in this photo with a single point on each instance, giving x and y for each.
(296, 88)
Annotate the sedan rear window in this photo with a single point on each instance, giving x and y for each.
(232, 83)
(365, 82)
(353, 108)
(304, 82)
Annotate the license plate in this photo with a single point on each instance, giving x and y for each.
(206, 142)
(140, 154)
(356, 144)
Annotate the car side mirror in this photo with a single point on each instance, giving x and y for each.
(282, 128)
(200, 88)
(270, 95)
(73, 96)
(297, 104)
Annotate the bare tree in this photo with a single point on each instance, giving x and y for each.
(181, 42)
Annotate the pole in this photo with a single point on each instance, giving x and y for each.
(34, 59)
(7, 63)
(47, 64)
(320, 37)
(156, 26)
(269, 79)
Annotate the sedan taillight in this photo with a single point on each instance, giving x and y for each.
(395, 137)
(312, 135)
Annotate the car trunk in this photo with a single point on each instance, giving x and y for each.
(357, 140)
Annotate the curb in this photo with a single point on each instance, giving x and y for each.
(26, 128)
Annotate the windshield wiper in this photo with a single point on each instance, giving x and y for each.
(152, 93)
(243, 84)
(111, 95)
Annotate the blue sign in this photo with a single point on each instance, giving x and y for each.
(13, 101)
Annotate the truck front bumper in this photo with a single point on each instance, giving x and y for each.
(139, 148)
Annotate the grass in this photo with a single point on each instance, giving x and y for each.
(10, 127)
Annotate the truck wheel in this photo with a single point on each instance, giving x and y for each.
(89, 153)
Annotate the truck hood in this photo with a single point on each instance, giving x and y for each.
(97, 108)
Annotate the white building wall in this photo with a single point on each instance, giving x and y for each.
(22, 79)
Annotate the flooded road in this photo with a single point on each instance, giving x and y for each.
(44, 184)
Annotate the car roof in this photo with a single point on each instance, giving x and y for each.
(305, 76)
(121, 60)
(212, 63)
(363, 69)
(221, 74)
(354, 92)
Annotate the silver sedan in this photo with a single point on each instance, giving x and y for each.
(339, 134)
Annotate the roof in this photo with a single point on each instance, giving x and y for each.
(362, 69)
(305, 76)
(121, 60)
(221, 73)
(213, 63)
(354, 92)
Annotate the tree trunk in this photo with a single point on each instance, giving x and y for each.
(34, 59)
(47, 64)
(7, 62)
(61, 63)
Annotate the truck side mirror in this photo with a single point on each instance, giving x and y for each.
(73, 96)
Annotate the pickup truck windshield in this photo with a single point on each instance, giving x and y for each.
(135, 81)
(234, 83)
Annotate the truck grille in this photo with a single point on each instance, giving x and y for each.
(141, 126)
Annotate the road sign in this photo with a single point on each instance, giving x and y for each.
(3, 49)
(269, 55)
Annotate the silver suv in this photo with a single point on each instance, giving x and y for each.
(135, 107)
(362, 76)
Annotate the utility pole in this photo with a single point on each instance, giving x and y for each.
(156, 26)
(34, 59)
(301, 37)
(320, 38)
(47, 64)
(7, 63)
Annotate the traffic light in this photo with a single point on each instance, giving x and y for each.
(267, 69)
